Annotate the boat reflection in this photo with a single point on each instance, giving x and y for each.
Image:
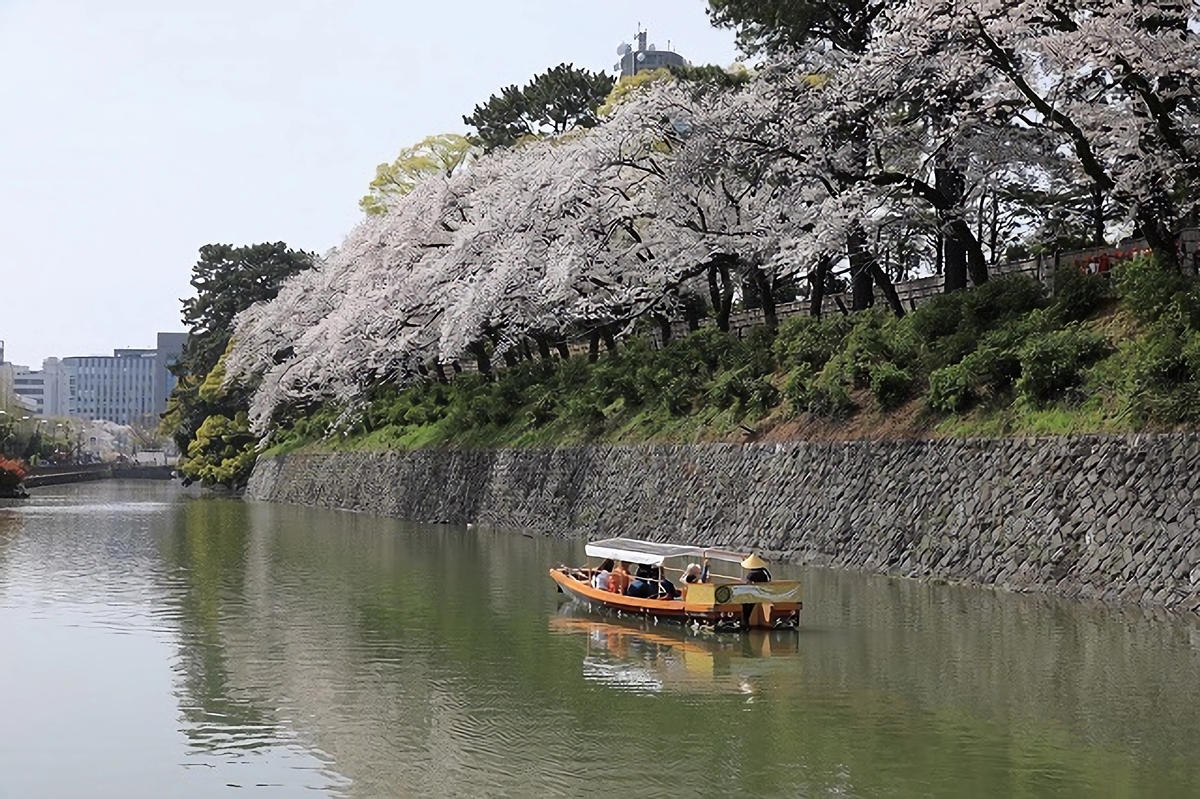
(638, 656)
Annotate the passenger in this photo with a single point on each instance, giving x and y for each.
(603, 575)
(666, 588)
(618, 581)
(756, 570)
(644, 586)
(692, 573)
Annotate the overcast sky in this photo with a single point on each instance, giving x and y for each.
(134, 131)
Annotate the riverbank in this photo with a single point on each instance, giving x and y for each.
(82, 473)
(1105, 517)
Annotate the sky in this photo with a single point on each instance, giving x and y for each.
(132, 132)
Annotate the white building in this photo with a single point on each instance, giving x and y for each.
(48, 392)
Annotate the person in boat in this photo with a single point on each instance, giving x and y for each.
(756, 570)
(603, 575)
(666, 588)
(692, 574)
(618, 581)
(644, 586)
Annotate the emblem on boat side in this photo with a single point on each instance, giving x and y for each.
(723, 594)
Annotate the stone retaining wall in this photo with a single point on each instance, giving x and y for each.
(1113, 518)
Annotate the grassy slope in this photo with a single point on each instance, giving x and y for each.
(1105, 356)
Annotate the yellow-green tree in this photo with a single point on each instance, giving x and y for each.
(433, 155)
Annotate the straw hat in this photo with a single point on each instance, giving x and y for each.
(754, 562)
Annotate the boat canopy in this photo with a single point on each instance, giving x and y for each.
(651, 553)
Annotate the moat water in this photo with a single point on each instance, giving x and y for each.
(154, 644)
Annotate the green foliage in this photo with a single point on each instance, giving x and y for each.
(951, 388)
(890, 385)
(950, 326)
(1078, 295)
(222, 453)
(877, 353)
(433, 155)
(772, 26)
(554, 102)
(1164, 376)
(1152, 293)
(1052, 364)
(988, 372)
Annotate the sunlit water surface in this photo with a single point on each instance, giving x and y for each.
(154, 645)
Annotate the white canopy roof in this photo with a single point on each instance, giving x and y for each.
(651, 553)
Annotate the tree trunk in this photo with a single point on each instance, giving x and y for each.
(664, 328)
(1097, 216)
(994, 240)
(949, 183)
(594, 346)
(862, 286)
(610, 342)
(887, 287)
(819, 277)
(440, 369)
(563, 351)
(976, 262)
(766, 295)
(1163, 243)
(482, 360)
(954, 262)
(720, 290)
(543, 346)
(714, 291)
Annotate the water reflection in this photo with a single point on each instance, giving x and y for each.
(254, 645)
(642, 657)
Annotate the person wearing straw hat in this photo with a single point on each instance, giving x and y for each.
(756, 569)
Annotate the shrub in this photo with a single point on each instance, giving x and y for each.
(950, 389)
(997, 301)
(1052, 365)
(877, 337)
(987, 372)
(952, 326)
(1164, 377)
(809, 342)
(830, 399)
(797, 389)
(742, 391)
(1151, 292)
(890, 385)
(1078, 295)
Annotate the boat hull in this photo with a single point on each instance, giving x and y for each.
(734, 607)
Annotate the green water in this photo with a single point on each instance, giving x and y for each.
(158, 645)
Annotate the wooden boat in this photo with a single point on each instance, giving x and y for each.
(722, 602)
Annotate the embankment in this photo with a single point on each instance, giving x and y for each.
(42, 476)
(1111, 518)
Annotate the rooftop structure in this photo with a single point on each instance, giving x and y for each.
(646, 56)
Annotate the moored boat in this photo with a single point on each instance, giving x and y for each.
(719, 601)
